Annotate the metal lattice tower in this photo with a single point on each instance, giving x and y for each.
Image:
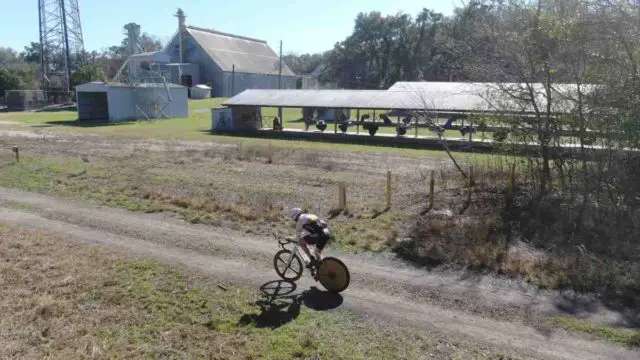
(61, 43)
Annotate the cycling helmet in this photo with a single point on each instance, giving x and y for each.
(294, 213)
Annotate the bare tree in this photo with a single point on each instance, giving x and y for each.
(430, 119)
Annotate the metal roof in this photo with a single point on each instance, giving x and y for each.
(248, 55)
(487, 89)
(103, 86)
(440, 101)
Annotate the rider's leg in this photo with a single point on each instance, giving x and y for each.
(320, 244)
(305, 247)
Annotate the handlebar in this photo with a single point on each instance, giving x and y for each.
(286, 241)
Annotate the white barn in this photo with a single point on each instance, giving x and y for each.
(228, 63)
(121, 102)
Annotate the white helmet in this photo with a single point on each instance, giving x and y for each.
(294, 213)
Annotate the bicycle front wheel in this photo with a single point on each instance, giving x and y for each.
(333, 274)
(288, 265)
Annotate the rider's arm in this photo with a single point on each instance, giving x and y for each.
(299, 226)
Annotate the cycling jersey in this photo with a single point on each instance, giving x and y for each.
(313, 230)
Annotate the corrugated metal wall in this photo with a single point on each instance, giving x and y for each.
(123, 101)
(233, 84)
(209, 72)
(121, 104)
(220, 81)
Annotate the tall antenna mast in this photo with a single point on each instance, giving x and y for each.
(61, 42)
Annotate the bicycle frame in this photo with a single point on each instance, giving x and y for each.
(294, 251)
(327, 277)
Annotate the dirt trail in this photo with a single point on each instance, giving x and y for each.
(234, 256)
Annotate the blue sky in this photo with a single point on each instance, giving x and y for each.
(303, 26)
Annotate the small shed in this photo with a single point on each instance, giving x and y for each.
(237, 118)
(120, 102)
(201, 91)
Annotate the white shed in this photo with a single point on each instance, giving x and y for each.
(120, 102)
(200, 91)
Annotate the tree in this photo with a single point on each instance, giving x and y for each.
(385, 49)
(8, 56)
(87, 73)
(303, 64)
(31, 53)
(10, 79)
(147, 42)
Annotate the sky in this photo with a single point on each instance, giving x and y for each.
(304, 26)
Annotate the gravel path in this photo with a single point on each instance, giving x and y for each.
(446, 303)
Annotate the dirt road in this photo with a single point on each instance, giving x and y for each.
(446, 303)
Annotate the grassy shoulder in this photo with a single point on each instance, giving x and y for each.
(626, 337)
(211, 194)
(63, 300)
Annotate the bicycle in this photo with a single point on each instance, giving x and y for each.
(332, 273)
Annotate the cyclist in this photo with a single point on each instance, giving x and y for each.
(310, 230)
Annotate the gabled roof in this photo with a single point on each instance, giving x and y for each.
(155, 56)
(101, 86)
(246, 54)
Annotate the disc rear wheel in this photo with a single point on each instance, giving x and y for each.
(293, 271)
(333, 274)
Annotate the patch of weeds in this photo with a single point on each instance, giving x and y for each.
(629, 338)
(166, 302)
(35, 174)
(367, 234)
(131, 204)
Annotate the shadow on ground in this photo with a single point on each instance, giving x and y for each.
(280, 304)
(576, 304)
(88, 123)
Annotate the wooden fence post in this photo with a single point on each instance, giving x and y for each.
(388, 190)
(471, 183)
(342, 196)
(432, 186)
(511, 186)
(17, 152)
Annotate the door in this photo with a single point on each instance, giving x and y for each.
(187, 80)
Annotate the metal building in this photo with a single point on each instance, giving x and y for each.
(200, 92)
(228, 63)
(120, 102)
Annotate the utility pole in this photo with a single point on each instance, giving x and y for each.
(233, 80)
(280, 68)
(280, 85)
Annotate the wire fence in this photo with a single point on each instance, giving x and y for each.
(24, 100)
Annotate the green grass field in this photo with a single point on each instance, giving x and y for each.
(196, 127)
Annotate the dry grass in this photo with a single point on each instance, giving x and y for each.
(517, 236)
(68, 301)
(247, 186)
